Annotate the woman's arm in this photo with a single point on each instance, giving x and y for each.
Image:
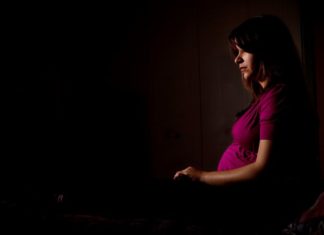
(245, 173)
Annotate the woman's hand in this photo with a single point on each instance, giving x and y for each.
(190, 172)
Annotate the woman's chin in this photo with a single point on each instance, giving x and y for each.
(245, 77)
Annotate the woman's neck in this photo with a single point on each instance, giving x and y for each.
(264, 83)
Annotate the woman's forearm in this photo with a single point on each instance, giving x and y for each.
(228, 177)
(245, 173)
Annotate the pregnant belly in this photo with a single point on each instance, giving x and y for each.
(235, 156)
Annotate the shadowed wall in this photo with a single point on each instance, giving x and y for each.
(122, 93)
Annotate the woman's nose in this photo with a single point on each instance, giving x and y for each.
(238, 59)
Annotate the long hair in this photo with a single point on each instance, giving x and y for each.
(272, 45)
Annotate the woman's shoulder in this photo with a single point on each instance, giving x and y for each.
(276, 88)
(276, 91)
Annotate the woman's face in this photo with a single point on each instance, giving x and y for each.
(245, 61)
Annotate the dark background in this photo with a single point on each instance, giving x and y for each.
(76, 88)
(71, 120)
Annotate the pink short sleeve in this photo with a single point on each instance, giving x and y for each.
(272, 105)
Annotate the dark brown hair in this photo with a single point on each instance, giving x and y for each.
(270, 41)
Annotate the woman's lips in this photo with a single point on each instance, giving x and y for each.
(243, 69)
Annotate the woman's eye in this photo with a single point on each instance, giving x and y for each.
(235, 53)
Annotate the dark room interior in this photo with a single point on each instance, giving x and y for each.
(103, 103)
